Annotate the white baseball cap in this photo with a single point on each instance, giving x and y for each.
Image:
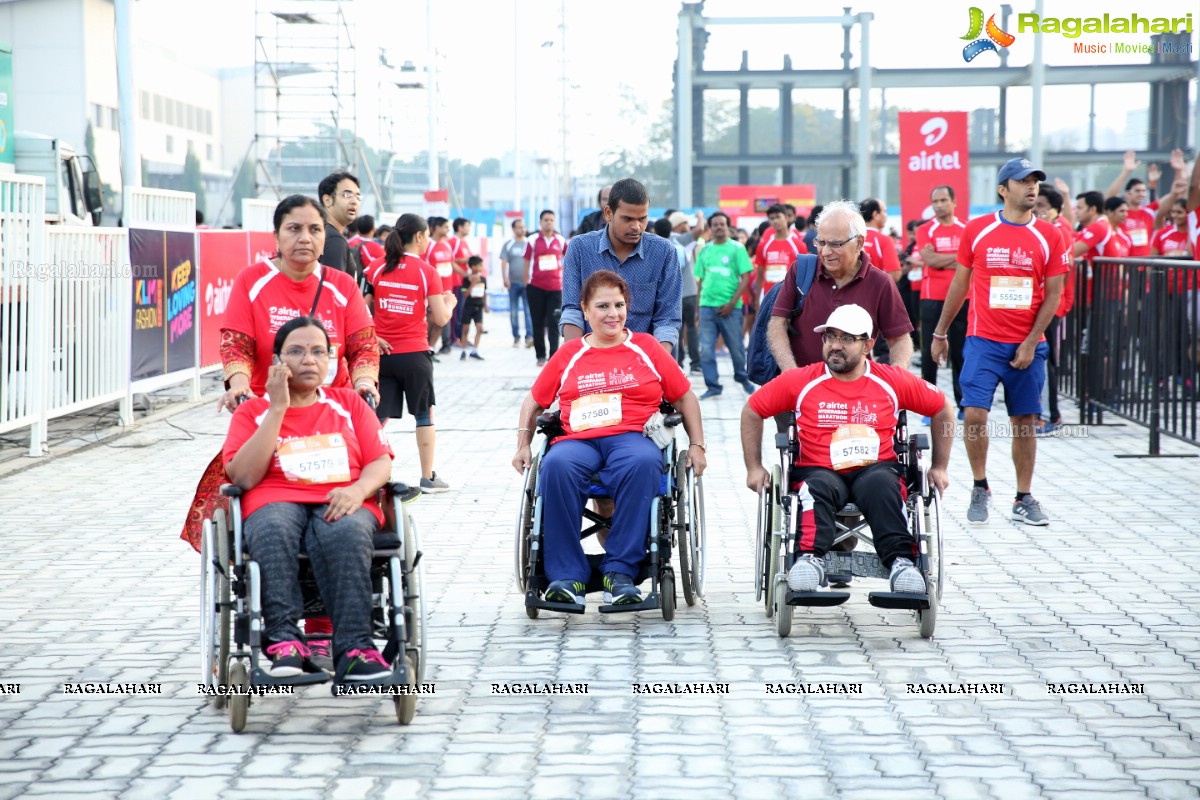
(677, 217)
(851, 318)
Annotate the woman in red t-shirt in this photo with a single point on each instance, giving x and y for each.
(309, 461)
(608, 384)
(401, 285)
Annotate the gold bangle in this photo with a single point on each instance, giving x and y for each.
(701, 445)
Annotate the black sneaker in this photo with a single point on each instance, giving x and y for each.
(363, 665)
(444, 350)
(619, 589)
(287, 659)
(566, 592)
(321, 655)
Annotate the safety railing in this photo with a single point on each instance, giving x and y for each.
(161, 208)
(258, 214)
(1132, 347)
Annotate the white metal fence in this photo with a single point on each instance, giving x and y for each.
(22, 339)
(258, 214)
(161, 208)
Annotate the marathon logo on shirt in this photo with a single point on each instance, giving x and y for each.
(281, 315)
(397, 305)
(412, 287)
(945, 244)
(591, 382)
(618, 379)
(861, 415)
(1022, 259)
(832, 414)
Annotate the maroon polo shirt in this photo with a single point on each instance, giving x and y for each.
(871, 288)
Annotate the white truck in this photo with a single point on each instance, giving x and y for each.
(72, 182)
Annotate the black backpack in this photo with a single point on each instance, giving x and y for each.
(760, 364)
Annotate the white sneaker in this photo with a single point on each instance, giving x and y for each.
(807, 574)
(434, 485)
(906, 578)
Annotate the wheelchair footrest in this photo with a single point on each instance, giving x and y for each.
(397, 677)
(816, 598)
(916, 602)
(650, 603)
(860, 565)
(532, 600)
(259, 677)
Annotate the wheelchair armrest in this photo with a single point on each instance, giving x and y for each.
(921, 440)
(782, 441)
(673, 420)
(231, 490)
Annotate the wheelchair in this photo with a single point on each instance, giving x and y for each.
(231, 611)
(777, 532)
(676, 524)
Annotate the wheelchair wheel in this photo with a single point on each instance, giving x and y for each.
(406, 704)
(698, 534)
(666, 594)
(760, 542)
(775, 541)
(930, 519)
(682, 525)
(239, 704)
(214, 604)
(525, 525)
(783, 612)
(414, 598)
(224, 540)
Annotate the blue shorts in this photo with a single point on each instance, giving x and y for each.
(986, 363)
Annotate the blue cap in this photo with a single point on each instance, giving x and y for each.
(1018, 169)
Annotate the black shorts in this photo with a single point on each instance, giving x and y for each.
(406, 377)
(472, 312)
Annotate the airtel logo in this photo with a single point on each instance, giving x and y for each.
(934, 129)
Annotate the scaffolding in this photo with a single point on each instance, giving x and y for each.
(305, 116)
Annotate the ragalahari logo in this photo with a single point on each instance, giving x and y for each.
(995, 36)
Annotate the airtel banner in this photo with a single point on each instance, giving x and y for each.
(933, 152)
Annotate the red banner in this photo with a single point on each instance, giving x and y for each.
(222, 255)
(753, 201)
(933, 152)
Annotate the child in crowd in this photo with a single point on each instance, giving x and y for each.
(474, 304)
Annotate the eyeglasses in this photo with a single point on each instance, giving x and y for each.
(299, 352)
(821, 243)
(350, 194)
(829, 337)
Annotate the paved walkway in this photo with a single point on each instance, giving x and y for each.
(95, 586)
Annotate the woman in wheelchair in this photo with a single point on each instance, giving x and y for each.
(608, 384)
(309, 460)
(846, 411)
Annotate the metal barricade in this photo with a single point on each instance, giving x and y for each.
(1133, 348)
(22, 328)
(160, 208)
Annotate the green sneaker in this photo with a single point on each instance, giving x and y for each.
(566, 592)
(619, 589)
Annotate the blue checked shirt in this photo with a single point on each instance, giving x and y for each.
(652, 272)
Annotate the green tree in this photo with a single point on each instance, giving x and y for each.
(193, 178)
(244, 188)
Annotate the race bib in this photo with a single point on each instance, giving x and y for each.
(478, 289)
(853, 446)
(776, 274)
(315, 459)
(331, 370)
(596, 411)
(1140, 236)
(915, 274)
(547, 262)
(1011, 293)
(445, 269)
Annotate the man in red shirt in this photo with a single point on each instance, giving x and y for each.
(878, 244)
(1102, 232)
(1049, 207)
(440, 256)
(1014, 265)
(543, 284)
(462, 252)
(937, 242)
(846, 411)
(776, 252)
(1139, 223)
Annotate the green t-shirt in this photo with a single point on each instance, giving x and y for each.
(720, 266)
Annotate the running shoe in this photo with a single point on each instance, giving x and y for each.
(906, 578)
(807, 574)
(566, 592)
(1029, 511)
(475, 355)
(287, 659)
(321, 655)
(434, 485)
(977, 511)
(619, 589)
(363, 665)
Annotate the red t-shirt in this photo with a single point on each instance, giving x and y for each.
(459, 249)
(626, 384)
(826, 405)
(1103, 240)
(440, 256)
(935, 283)
(1170, 241)
(1139, 227)
(1067, 301)
(773, 258)
(545, 256)
(400, 302)
(798, 239)
(882, 250)
(347, 423)
(1010, 263)
(263, 299)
